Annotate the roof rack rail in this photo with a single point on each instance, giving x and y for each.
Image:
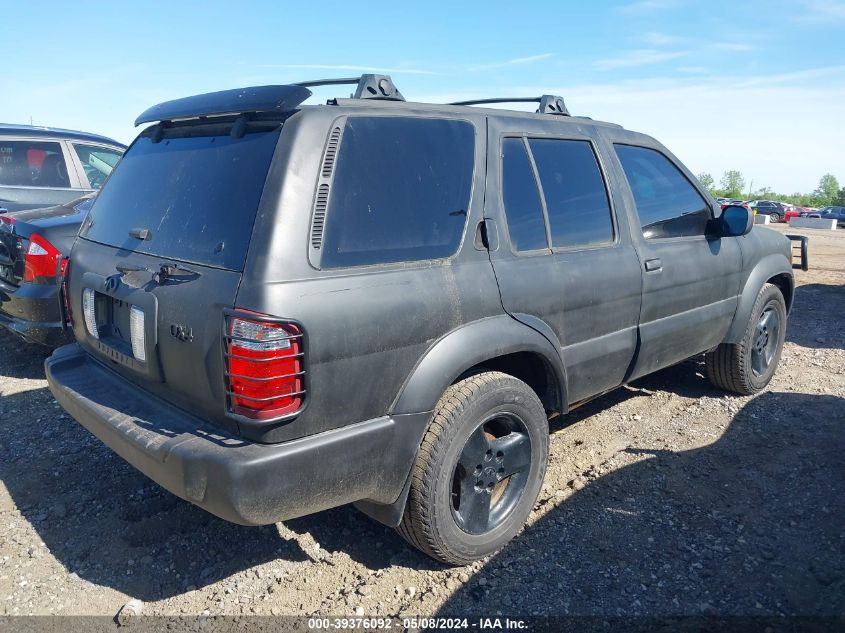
(549, 104)
(369, 86)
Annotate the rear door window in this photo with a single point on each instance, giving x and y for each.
(97, 162)
(574, 190)
(526, 225)
(196, 191)
(667, 204)
(33, 164)
(401, 191)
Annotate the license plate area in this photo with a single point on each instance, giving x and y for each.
(113, 304)
(113, 322)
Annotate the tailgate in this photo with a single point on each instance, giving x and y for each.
(159, 257)
(174, 347)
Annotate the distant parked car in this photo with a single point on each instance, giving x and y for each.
(831, 213)
(791, 211)
(42, 167)
(32, 245)
(775, 210)
(735, 203)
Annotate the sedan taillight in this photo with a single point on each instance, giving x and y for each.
(264, 366)
(40, 260)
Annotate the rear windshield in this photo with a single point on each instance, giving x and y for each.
(196, 191)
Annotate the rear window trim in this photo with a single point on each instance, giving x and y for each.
(315, 256)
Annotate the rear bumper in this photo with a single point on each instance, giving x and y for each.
(32, 311)
(237, 480)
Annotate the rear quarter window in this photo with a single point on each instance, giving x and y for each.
(401, 191)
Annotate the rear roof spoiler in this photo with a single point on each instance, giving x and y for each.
(264, 99)
(237, 101)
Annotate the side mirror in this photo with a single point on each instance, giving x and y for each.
(735, 221)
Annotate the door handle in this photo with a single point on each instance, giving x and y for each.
(653, 265)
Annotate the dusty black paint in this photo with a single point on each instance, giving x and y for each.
(383, 342)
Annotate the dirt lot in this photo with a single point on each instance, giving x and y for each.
(665, 497)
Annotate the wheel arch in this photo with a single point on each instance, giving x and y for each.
(786, 284)
(500, 343)
(774, 269)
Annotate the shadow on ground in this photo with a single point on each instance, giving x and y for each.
(21, 359)
(753, 524)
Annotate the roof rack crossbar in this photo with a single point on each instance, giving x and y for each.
(329, 82)
(549, 104)
(498, 100)
(369, 86)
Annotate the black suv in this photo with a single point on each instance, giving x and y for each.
(775, 210)
(382, 303)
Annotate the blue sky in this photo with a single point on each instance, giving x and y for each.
(755, 86)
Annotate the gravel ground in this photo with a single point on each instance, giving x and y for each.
(666, 497)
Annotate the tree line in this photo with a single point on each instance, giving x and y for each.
(732, 185)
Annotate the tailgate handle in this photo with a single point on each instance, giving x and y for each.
(130, 268)
(141, 234)
(653, 265)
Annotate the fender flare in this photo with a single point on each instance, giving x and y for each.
(443, 362)
(768, 267)
(467, 346)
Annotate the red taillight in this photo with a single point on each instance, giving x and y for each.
(40, 260)
(5, 219)
(264, 360)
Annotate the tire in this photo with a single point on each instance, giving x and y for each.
(748, 366)
(484, 426)
(774, 218)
